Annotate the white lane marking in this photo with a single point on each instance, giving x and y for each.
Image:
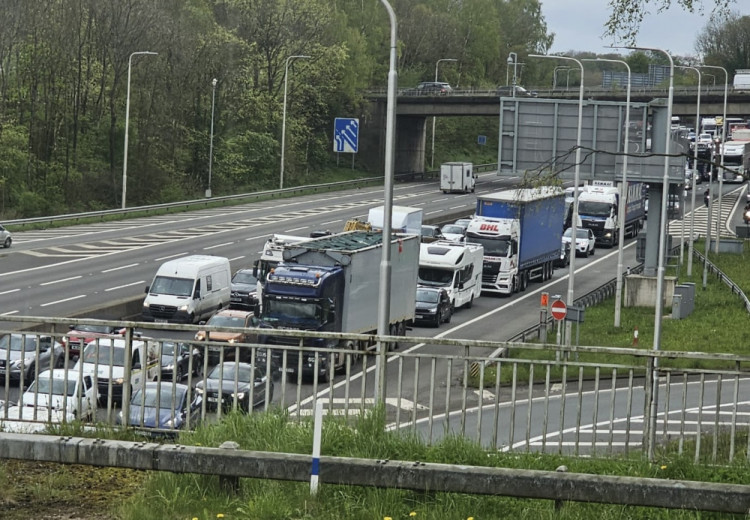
(433, 212)
(10, 291)
(124, 286)
(295, 229)
(60, 281)
(9, 313)
(63, 301)
(458, 207)
(331, 222)
(118, 268)
(236, 258)
(170, 256)
(218, 245)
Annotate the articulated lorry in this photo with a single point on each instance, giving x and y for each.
(331, 284)
(599, 205)
(521, 233)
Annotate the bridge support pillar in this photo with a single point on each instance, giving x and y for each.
(411, 139)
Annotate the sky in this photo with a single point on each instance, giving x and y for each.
(579, 26)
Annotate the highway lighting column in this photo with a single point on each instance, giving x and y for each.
(513, 58)
(384, 294)
(693, 174)
(723, 140)
(623, 193)
(662, 251)
(283, 118)
(576, 181)
(432, 158)
(127, 120)
(211, 145)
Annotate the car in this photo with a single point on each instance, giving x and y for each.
(431, 233)
(175, 360)
(19, 359)
(564, 259)
(228, 318)
(431, 88)
(231, 384)
(6, 239)
(433, 306)
(82, 334)
(453, 232)
(463, 222)
(585, 241)
(507, 91)
(62, 390)
(244, 290)
(161, 409)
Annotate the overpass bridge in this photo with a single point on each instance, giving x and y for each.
(413, 111)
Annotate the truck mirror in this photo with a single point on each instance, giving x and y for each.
(147, 288)
(255, 268)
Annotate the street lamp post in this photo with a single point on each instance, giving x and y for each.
(211, 146)
(723, 141)
(432, 157)
(513, 59)
(127, 120)
(623, 193)
(693, 174)
(283, 118)
(574, 220)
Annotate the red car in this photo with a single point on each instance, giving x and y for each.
(81, 335)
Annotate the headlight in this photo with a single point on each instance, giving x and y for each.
(119, 417)
(172, 423)
(118, 381)
(200, 336)
(431, 311)
(239, 395)
(145, 305)
(232, 340)
(169, 367)
(18, 363)
(199, 390)
(183, 308)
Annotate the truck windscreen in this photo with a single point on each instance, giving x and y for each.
(435, 277)
(496, 246)
(594, 209)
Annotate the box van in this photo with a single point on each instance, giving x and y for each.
(457, 177)
(188, 290)
(455, 267)
(104, 359)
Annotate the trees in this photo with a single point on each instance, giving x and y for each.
(726, 43)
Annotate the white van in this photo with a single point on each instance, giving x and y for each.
(456, 267)
(188, 290)
(104, 360)
(457, 177)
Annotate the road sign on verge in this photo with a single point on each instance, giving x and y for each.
(345, 135)
(559, 309)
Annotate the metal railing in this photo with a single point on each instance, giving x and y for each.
(586, 400)
(720, 275)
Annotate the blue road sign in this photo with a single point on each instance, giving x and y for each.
(482, 139)
(346, 135)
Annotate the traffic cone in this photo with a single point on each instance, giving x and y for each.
(635, 337)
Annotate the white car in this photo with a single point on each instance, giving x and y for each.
(5, 237)
(453, 232)
(585, 241)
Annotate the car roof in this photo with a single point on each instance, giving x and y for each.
(234, 313)
(61, 373)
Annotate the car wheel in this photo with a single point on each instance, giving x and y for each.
(179, 373)
(438, 320)
(450, 315)
(60, 361)
(592, 251)
(7, 242)
(470, 303)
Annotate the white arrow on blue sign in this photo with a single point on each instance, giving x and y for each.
(346, 135)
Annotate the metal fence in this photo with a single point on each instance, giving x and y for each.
(586, 400)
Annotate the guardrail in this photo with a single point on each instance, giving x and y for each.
(725, 279)
(199, 203)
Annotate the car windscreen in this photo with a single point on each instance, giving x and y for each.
(244, 373)
(172, 286)
(19, 343)
(244, 277)
(58, 386)
(99, 329)
(427, 296)
(107, 354)
(161, 395)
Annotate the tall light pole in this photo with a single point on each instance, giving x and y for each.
(623, 193)
(695, 169)
(574, 220)
(513, 59)
(211, 146)
(432, 158)
(384, 292)
(283, 118)
(127, 120)
(723, 141)
(662, 249)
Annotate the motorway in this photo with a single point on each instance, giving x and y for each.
(60, 272)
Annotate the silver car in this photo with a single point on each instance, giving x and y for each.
(18, 356)
(5, 237)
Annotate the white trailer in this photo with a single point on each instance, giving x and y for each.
(404, 219)
(456, 267)
(741, 79)
(457, 177)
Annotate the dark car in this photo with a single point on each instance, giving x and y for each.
(18, 356)
(433, 306)
(244, 290)
(431, 233)
(231, 384)
(564, 259)
(81, 335)
(162, 408)
(175, 360)
(429, 88)
(507, 91)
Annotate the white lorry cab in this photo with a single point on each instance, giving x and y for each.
(271, 256)
(188, 289)
(456, 267)
(106, 361)
(457, 177)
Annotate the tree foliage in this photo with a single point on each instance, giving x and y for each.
(726, 43)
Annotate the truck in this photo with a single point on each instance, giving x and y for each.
(454, 266)
(736, 155)
(331, 284)
(270, 257)
(741, 79)
(457, 177)
(599, 205)
(404, 219)
(521, 234)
